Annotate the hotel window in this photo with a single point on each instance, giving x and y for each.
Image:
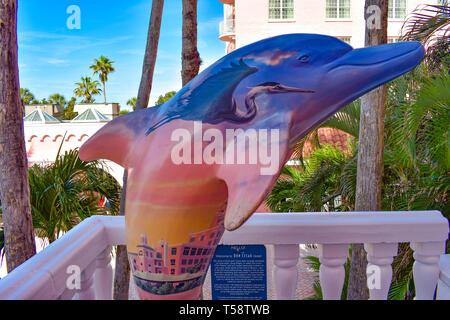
(172, 262)
(174, 251)
(172, 271)
(338, 9)
(193, 251)
(347, 40)
(393, 40)
(183, 261)
(397, 9)
(186, 251)
(281, 9)
(183, 270)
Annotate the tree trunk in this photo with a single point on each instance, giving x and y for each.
(370, 149)
(150, 55)
(190, 56)
(122, 272)
(14, 186)
(104, 91)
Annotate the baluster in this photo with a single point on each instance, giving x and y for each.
(426, 268)
(103, 277)
(379, 268)
(285, 270)
(86, 291)
(332, 273)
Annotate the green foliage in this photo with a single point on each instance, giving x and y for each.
(87, 89)
(26, 96)
(103, 67)
(68, 191)
(416, 162)
(429, 24)
(68, 111)
(123, 112)
(166, 97)
(132, 103)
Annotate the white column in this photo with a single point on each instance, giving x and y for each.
(86, 291)
(285, 270)
(426, 268)
(103, 277)
(379, 268)
(332, 273)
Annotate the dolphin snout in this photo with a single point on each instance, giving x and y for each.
(410, 53)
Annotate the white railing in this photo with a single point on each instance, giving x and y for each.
(226, 29)
(87, 247)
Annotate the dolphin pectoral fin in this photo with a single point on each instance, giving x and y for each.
(111, 142)
(249, 184)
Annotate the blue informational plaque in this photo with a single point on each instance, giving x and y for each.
(239, 272)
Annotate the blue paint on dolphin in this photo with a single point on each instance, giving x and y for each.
(310, 75)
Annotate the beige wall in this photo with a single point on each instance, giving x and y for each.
(252, 21)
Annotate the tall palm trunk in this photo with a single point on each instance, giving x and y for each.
(15, 192)
(122, 272)
(104, 90)
(370, 152)
(190, 56)
(150, 55)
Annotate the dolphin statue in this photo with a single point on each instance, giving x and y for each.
(205, 160)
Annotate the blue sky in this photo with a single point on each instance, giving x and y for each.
(53, 57)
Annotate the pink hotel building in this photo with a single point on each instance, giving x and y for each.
(246, 21)
(178, 259)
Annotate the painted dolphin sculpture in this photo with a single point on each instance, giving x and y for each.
(206, 159)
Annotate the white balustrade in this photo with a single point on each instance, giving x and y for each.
(284, 271)
(88, 245)
(104, 276)
(426, 268)
(379, 268)
(332, 273)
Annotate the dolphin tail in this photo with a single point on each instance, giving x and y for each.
(111, 142)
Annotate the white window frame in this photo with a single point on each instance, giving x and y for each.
(338, 18)
(281, 19)
(394, 7)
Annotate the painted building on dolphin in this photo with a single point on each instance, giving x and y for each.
(184, 261)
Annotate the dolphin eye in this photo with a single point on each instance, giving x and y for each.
(304, 58)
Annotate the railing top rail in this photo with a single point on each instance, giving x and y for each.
(342, 227)
(44, 275)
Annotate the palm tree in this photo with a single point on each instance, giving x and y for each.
(15, 196)
(151, 51)
(132, 103)
(430, 24)
(87, 88)
(103, 67)
(190, 57)
(67, 192)
(166, 97)
(57, 98)
(26, 96)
